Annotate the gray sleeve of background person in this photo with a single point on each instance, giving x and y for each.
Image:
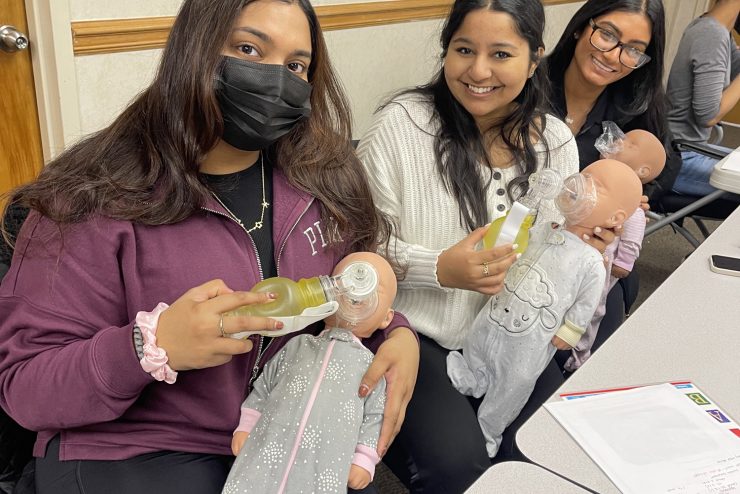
(735, 68)
(710, 65)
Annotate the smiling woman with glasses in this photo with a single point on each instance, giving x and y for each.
(605, 40)
(608, 66)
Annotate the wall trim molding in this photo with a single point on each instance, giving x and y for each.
(146, 33)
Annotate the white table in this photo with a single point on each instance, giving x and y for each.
(689, 328)
(512, 477)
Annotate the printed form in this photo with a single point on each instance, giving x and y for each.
(656, 439)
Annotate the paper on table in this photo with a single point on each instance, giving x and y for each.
(719, 475)
(649, 439)
(732, 161)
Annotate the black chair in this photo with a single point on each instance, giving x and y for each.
(16, 443)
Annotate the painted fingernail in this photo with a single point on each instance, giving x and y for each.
(518, 255)
(272, 295)
(279, 324)
(597, 230)
(514, 246)
(364, 390)
(586, 237)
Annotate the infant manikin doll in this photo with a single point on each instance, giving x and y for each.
(549, 297)
(645, 154)
(303, 427)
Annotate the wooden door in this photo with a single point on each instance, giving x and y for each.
(733, 116)
(21, 157)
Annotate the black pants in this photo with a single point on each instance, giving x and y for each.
(166, 472)
(440, 448)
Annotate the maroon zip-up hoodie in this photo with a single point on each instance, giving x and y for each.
(67, 361)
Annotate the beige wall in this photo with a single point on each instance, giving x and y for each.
(82, 94)
(360, 56)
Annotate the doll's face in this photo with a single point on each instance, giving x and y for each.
(644, 153)
(385, 293)
(618, 193)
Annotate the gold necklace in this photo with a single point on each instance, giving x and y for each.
(577, 116)
(257, 224)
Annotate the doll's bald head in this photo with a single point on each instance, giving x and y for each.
(644, 153)
(617, 193)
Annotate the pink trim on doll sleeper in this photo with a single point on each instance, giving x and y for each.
(248, 420)
(306, 413)
(366, 457)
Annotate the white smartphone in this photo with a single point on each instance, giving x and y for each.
(725, 265)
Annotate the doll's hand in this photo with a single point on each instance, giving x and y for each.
(461, 266)
(618, 272)
(644, 204)
(560, 344)
(359, 478)
(189, 329)
(238, 441)
(602, 237)
(398, 360)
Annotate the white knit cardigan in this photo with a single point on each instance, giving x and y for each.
(398, 154)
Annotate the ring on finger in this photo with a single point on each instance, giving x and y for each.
(221, 326)
(485, 269)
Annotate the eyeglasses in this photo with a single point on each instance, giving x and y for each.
(605, 40)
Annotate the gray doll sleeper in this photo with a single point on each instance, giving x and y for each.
(307, 424)
(553, 289)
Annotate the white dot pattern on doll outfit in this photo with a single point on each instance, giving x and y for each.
(271, 453)
(335, 372)
(298, 386)
(349, 411)
(328, 481)
(311, 437)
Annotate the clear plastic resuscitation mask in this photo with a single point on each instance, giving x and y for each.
(611, 141)
(358, 298)
(577, 198)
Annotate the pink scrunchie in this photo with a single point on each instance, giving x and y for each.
(155, 359)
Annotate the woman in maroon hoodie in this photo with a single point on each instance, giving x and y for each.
(234, 165)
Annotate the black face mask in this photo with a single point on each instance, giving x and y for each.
(260, 103)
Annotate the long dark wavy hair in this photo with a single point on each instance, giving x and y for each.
(459, 144)
(144, 166)
(642, 90)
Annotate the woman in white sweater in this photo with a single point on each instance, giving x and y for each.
(444, 160)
